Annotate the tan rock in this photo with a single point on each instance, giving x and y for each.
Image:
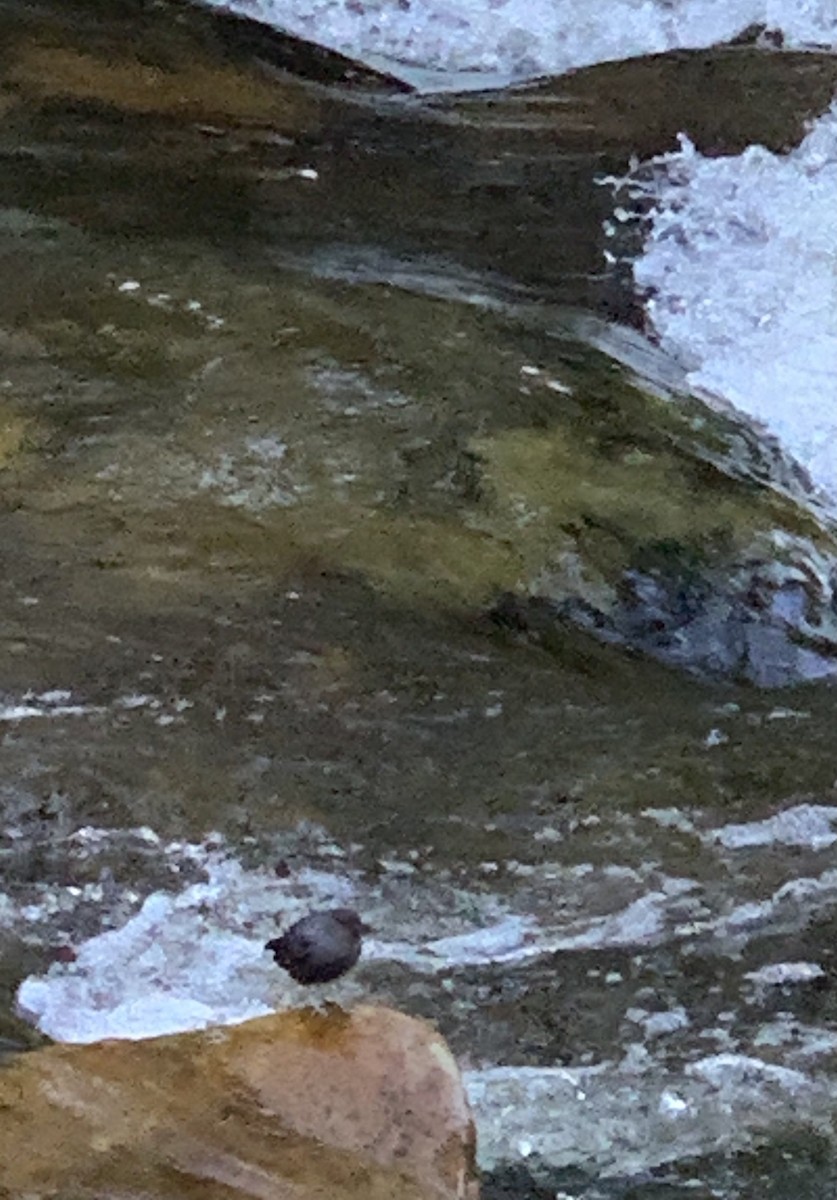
(300, 1105)
(202, 90)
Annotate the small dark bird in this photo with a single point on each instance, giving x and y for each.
(320, 947)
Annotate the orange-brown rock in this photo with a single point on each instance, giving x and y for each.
(295, 1106)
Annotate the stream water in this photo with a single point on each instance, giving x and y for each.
(254, 328)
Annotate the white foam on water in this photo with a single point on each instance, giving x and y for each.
(785, 973)
(524, 38)
(741, 265)
(55, 703)
(811, 826)
(741, 252)
(197, 956)
(617, 1119)
(746, 1071)
(184, 961)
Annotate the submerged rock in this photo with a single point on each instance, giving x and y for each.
(766, 618)
(511, 461)
(660, 524)
(368, 1103)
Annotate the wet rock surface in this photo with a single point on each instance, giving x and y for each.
(288, 174)
(336, 522)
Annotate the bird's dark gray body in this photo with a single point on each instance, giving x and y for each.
(320, 947)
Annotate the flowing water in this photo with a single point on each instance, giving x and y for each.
(254, 328)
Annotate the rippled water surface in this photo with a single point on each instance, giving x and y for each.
(244, 592)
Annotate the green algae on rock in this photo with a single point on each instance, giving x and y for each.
(664, 526)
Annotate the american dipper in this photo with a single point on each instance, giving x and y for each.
(321, 947)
